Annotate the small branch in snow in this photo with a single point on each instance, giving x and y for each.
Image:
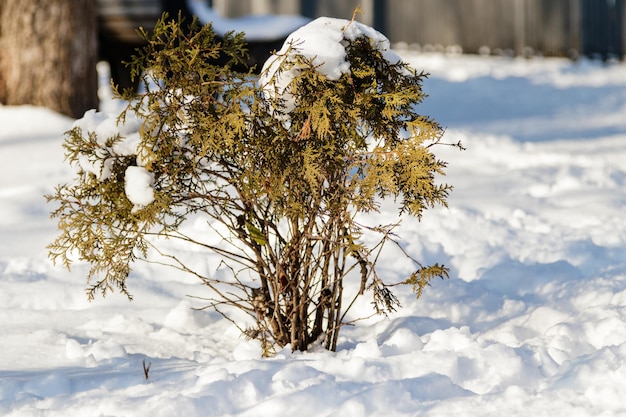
(146, 369)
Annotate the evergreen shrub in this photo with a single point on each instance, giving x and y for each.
(279, 166)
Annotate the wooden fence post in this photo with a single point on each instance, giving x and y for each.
(307, 8)
(519, 19)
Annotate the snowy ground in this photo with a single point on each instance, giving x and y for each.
(532, 321)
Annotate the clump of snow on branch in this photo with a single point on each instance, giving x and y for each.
(106, 127)
(323, 42)
(138, 186)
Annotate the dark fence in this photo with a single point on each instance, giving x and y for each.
(603, 25)
(551, 27)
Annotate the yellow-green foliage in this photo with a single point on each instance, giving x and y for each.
(285, 185)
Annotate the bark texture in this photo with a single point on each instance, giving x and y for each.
(48, 54)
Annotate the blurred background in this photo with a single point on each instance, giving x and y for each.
(567, 28)
(550, 27)
(50, 47)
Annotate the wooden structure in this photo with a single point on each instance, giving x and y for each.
(549, 27)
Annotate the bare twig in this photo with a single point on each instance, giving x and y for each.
(146, 369)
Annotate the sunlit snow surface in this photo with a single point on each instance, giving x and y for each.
(531, 322)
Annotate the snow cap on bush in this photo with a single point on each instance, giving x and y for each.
(322, 42)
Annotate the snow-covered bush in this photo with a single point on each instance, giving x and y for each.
(280, 167)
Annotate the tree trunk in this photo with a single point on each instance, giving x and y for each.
(49, 54)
